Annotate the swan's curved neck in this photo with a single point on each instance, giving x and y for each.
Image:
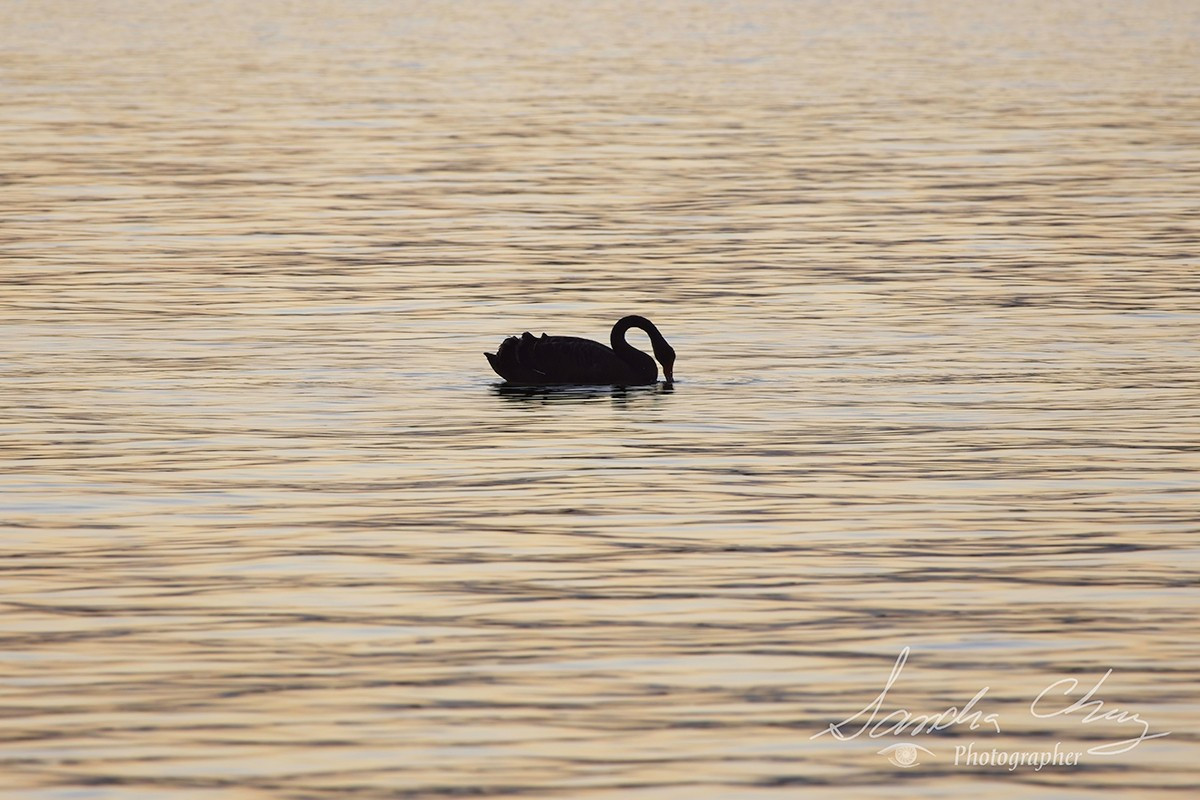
(633, 321)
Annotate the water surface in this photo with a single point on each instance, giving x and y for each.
(272, 530)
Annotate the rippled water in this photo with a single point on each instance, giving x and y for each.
(271, 529)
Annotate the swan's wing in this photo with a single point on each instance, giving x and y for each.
(556, 359)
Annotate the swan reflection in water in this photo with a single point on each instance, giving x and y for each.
(621, 396)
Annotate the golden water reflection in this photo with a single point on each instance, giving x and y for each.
(272, 530)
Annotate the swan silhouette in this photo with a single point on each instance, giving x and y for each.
(545, 360)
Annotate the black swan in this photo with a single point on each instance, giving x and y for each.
(547, 360)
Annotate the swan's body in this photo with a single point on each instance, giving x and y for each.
(548, 360)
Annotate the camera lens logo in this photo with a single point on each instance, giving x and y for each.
(904, 755)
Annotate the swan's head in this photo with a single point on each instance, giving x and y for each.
(666, 356)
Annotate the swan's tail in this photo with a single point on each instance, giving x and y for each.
(515, 359)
